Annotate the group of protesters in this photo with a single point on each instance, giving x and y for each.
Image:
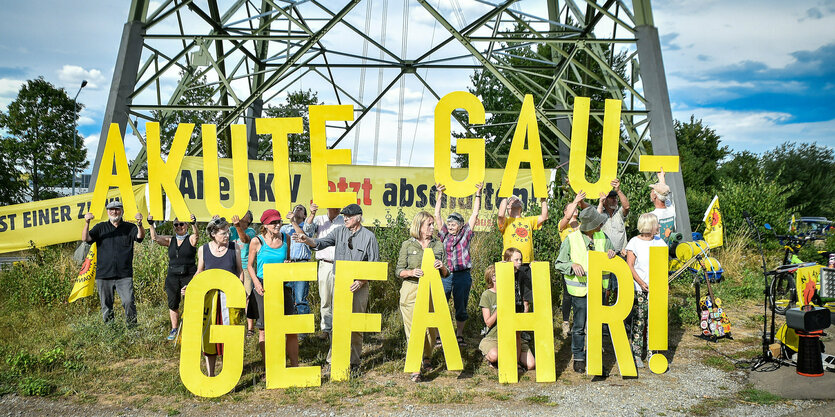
(339, 235)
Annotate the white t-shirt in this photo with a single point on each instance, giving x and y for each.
(324, 226)
(666, 221)
(640, 248)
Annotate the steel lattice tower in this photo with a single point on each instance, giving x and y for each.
(254, 50)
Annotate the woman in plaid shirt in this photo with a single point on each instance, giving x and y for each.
(456, 236)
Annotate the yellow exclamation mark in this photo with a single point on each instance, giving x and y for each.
(658, 301)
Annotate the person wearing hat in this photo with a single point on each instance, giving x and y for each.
(573, 263)
(567, 225)
(114, 268)
(517, 231)
(351, 242)
(456, 236)
(665, 211)
(271, 247)
(614, 227)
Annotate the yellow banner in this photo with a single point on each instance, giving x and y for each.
(380, 191)
(49, 222)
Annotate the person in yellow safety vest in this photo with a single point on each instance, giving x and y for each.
(573, 262)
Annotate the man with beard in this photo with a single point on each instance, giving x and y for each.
(114, 266)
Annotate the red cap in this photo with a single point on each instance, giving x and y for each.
(270, 216)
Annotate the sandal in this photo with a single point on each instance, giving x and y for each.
(461, 341)
(416, 378)
(426, 365)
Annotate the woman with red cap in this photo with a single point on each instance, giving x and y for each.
(271, 247)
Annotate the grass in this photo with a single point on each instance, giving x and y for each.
(719, 362)
(540, 400)
(756, 396)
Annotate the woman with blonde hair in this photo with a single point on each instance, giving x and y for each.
(637, 257)
(408, 269)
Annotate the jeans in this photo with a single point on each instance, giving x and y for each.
(300, 290)
(578, 328)
(124, 287)
(457, 285)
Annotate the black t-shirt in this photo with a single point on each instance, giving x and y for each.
(114, 249)
(524, 290)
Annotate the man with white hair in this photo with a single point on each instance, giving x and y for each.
(664, 209)
(114, 267)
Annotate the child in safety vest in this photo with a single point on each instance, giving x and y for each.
(573, 263)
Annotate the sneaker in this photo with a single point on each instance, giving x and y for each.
(173, 334)
(438, 342)
(579, 366)
(250, 332)
(326, 370)
(565, 329)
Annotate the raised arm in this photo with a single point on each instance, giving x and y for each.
(140, 234)
(195, 232)
(569, 210)
(601, 204)
(624, 202)
(313, 209)
(85, 232)
(476, 206)
(161, 240)
(439, 195)
(236, 221)
(543, 215)
(501, 214)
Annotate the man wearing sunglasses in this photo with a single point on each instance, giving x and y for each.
(351, 242)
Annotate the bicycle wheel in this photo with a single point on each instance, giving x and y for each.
(782, 293)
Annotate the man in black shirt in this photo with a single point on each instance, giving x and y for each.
(114, 258)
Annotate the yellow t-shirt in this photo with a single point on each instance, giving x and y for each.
(518, 234)
(564, 233)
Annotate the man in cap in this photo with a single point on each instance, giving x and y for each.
(664, 208)
(573, 263)
(351, 242)
(114, 266)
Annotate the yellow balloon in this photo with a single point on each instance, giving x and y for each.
(613, 315)
(162, 175)
(430, 285)
(277, 326)
(114, 153)
(472, 147)
(231, 336)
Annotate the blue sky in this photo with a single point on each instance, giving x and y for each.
(758, 72)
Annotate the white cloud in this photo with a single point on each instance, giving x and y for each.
(759, 131)
(73, 74)
(8, 91)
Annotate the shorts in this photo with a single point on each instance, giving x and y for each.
(289, 305)
(173, 285)
(488, 344)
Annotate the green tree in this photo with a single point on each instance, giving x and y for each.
(40, 144)
(741, 166)
(295, 105)
(807, 170)
(494, 95)
(700, 153)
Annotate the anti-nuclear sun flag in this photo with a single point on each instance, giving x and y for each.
(713, 224)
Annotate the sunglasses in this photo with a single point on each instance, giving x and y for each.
(179, 224)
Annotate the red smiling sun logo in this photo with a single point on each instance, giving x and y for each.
(521, 232)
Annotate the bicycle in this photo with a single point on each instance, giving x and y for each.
(782, 291)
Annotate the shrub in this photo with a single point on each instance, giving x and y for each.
(35, 387)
